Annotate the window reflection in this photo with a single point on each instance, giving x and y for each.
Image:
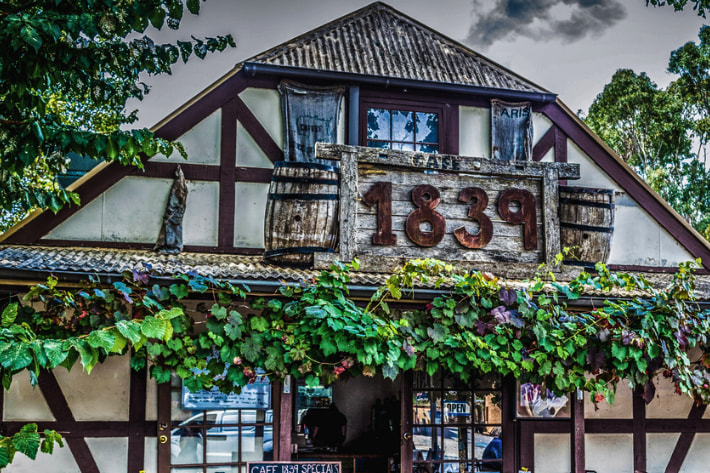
(403, 130)
(223, 436)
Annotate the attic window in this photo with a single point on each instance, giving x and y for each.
(403, 130)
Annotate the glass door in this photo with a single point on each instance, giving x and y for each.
(456, 427)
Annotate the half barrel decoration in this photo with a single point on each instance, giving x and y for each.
(301, 212)
(586, 224)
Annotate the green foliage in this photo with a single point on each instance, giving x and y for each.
(317, 332)
(700, 6)
(28, 442)
(67, 70)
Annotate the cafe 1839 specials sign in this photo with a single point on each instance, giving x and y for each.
(398, 205)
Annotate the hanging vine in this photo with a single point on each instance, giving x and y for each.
(314, 330)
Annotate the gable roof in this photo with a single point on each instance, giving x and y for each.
(378, 40)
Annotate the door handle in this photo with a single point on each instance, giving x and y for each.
(407, 436)
(163, 439)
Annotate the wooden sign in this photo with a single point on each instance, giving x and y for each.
(398, 205)
(294, 467)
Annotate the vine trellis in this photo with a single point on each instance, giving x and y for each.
(314, 330)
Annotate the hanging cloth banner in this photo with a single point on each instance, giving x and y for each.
(310, 116)
(511, 131)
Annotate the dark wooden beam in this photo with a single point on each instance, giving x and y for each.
(227, 175)
(508, 436)
(258, 132)
(80, 429)
(60, 410)
(136, 414)
(163, 434)
(544, 144)
(639, 413)
(261, 175)
(192, 172)
(577, 440)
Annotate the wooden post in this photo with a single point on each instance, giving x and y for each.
(577, 440)
(285, 420)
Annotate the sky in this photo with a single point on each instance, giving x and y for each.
(569, 47)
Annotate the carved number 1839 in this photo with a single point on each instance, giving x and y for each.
(426, 197)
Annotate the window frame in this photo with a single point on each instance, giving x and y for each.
(445, 147)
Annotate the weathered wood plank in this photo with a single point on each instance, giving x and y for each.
(445, 162)
(398, 205)
(551, 223)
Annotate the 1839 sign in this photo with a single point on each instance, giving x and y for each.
(399, 205)
(426, 197)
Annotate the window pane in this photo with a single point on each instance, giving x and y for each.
(403, 146)
(489, 449)
(402, 126)
(379, 144)
(427, 127)
(185, 446)
(427, 407)
(434, 149)
(488, 409)
(378, 124)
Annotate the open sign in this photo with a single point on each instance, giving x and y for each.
(457, 408)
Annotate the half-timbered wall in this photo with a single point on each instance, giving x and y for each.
(105, 418)
(669, 435)
(131, 210)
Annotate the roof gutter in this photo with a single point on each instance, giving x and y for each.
(255, 69)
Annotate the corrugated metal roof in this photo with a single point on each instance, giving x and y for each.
(378, 40)
(109, 261)
(114, 261)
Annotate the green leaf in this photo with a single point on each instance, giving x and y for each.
(6, 455)
(618, 351)
(328, 346)
(31, 36)
(54, 350)
(179, 290)
(27, 440)
(9, 314)
(129, 329)
(119, 344)
(15, 356)
(153, 328)
(220, 312)
(50, 438)
(259, 324)
(193, 6)
(102, 339)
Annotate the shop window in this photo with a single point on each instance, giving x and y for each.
(457, 426)
(212, 432)
(402, 129)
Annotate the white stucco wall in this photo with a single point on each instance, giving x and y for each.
(132, 211)
(201, 142)
(265, 104)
